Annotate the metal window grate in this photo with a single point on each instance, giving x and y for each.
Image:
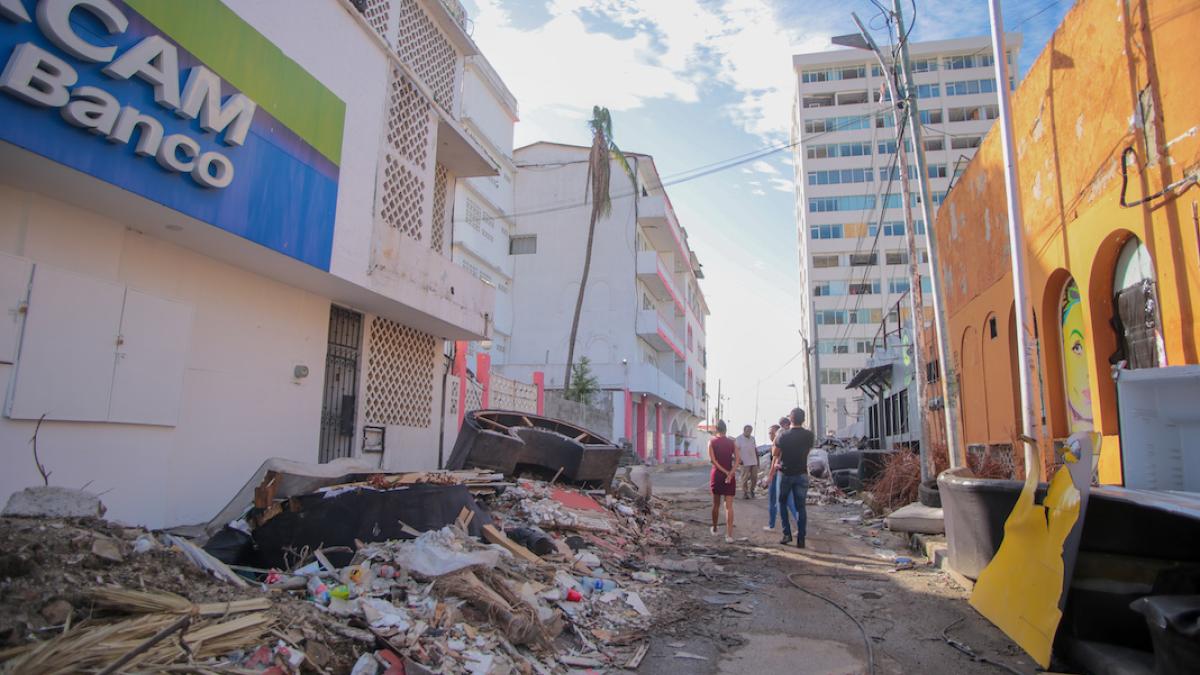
(338, 408)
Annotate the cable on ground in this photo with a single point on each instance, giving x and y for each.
(866, 638)
(970, 653)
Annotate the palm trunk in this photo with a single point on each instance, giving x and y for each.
(587, 267)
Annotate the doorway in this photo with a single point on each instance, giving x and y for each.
(339, 401)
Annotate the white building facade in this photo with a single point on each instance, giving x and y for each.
(643, 321)
(853, 257)
(224, 237)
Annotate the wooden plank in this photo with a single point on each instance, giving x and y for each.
(494, 536)
(465, 516)
(636, 659)
(526, 420)
(493, 423)
(264, 494)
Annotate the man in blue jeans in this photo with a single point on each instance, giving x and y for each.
(790, 454)
(771, 480)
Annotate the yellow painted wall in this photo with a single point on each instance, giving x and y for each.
(1072, 119)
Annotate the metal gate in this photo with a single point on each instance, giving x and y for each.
(338, 407)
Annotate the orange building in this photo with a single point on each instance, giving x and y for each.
(1107, 133)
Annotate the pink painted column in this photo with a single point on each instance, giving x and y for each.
(460, 371)
(640, 432)
(658, 437)
(628, 415)
(539, 380)
(483, 371)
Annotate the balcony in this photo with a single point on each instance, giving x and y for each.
(645, 378)
(653, 271)
(656, 329)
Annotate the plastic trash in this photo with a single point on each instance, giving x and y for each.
(341, 592)
(318, 590)
(437, 552)
(574, 595)
(599, 585)
(533, 539)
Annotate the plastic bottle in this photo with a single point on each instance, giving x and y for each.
(598, 585)
(318, 590)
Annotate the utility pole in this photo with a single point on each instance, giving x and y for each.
(719, 418)
(949, 379)
(901, 113)
(1016, 245)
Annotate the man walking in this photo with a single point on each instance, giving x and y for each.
(790, 459)
(747, 450)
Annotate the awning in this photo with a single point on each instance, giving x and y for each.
(868, 376)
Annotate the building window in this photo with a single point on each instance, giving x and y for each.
(842, 123)
(965, 142)
(973, 113)
(846, 203)
(898, 285)
(933, 144)
(863, 259)
(851, 97)
(868, 288)
(897, 257)
(928, 91)
(925, 65)
(825, 261)
(931, 116)
(819, 101)
(937, 170)
(967, 87)
(825, 231)
(893, 229)
(524, 244)
(839, 176)
(968, 61)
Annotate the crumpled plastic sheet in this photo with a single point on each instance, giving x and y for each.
(439, 552)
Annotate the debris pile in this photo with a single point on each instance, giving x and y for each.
(531, 578)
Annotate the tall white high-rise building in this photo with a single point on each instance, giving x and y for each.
(853, 270)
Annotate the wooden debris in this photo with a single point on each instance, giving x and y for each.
(636, 660)
(465, 516)
(493, 535)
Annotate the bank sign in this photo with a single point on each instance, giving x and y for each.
(183, 103)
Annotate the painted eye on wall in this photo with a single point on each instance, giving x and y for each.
(1077, 348)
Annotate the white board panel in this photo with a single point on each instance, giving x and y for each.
(148, 378)
(66, 364)
(14, 289)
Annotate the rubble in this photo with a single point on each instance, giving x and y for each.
(462, 596)
(54, 502)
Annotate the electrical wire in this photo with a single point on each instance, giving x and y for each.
(684, 176)
(843, 610)
(970, 653)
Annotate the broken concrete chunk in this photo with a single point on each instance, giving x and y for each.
(107, 548)
(54, 502)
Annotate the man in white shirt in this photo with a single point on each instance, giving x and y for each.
(747, 450)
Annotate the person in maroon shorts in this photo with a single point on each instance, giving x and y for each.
(722, 454)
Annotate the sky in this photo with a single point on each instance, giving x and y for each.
(693, 82)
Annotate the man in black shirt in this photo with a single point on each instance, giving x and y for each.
(790, 455)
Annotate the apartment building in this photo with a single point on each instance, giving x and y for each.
(853, 256)
(483, 205)
(643, 321)
(224, 236)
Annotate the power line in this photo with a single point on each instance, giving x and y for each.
(684, 176)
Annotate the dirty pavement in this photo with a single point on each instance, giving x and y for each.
(529, 576)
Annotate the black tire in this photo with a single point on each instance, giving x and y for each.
(927, 494)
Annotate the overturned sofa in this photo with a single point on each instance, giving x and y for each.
(516, 443)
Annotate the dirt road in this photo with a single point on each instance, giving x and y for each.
(751, 619)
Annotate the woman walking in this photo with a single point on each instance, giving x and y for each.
(722, 454)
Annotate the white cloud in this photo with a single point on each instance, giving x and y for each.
(676, 49)
(763, 167)
(759, 192)
(781, 184)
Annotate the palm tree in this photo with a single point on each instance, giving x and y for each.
(603, 151)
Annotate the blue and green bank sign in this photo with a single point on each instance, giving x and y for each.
(183, 103)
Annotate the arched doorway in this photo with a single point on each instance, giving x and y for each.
(1135, 309)
(974, 402)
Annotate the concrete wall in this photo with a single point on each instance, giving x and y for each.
(596, 418)
(239, 405)
(1073, 115)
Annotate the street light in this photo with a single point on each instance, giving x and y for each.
(797, 391)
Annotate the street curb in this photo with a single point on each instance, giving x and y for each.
(935, 548)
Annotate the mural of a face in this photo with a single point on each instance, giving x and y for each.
(1074, 352)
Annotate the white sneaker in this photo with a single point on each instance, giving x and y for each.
(767, 528)
(728, 539)
(712, 530)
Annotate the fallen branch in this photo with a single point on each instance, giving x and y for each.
(158, 637)
(41, 469)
